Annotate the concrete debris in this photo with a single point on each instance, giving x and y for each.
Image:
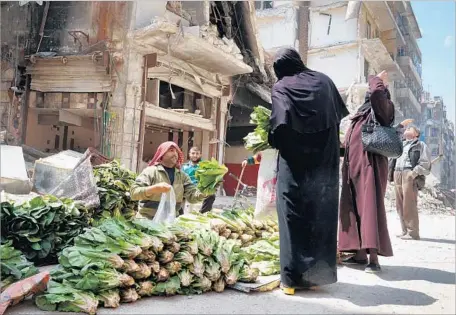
(430, 200)
(211, 34)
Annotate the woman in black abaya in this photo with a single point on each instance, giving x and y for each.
(306, 112)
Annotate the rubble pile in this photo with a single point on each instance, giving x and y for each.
(430, 200)
(211, 34)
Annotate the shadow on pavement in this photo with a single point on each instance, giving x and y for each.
(365, 296)
(435, 240)
(408, 273)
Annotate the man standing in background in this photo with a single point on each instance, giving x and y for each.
(409, 174)
(190, 169)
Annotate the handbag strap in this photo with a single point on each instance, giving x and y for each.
(374, 119)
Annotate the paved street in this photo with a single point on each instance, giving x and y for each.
(419, 279)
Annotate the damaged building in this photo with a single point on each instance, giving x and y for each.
(122, 77)
(350, 40)
(438, 133)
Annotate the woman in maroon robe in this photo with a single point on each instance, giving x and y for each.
(363, 226)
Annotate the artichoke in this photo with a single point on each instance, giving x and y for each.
(128, 295)
(145, 288)
(184, 258)
(185, 277)
(165, 257)
(109, 298)
(174, 247)
(162, 275)
(147, 256)
(173, 267)
(143, 272)
(154, 266)
(219, 285)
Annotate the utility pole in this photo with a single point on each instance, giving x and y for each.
(303, 29)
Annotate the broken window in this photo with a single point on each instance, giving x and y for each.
(171, 96)
(179, 99)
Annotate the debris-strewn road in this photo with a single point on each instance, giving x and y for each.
(419, 279)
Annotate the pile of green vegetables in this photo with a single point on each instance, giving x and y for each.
(257, 140)
(120, 261)
(114, 183)
(251, 235)
(209, 175)
(14, 266)
(41, 227)
(264, 256)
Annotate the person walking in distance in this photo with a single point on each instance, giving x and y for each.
(409, 172)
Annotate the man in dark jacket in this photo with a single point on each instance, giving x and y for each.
(408, 173)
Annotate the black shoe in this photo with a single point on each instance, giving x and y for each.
(353, 261)
(373, 268)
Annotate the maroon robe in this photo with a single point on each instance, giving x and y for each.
(362, 216)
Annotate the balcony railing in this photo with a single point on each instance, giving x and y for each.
(415, 91)
(401, 52)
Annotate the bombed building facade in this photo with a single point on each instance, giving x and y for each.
(118, 76)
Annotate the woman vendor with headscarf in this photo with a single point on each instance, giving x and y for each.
(306, 113)
(164, 171)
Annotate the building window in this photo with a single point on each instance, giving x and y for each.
(261, 5)
(434, 132)
(435, 152)
(368, 30)
(429, 113)
(401, 51)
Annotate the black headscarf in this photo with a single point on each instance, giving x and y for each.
(287, 63)
(307, 101)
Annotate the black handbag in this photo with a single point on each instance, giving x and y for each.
(381, 140)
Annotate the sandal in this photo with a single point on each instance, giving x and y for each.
(288, 291)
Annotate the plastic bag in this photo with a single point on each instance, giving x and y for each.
(166, 212)
(266, 185)
(77, 183)
(19, 291)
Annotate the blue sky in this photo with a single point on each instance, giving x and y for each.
(437, 23)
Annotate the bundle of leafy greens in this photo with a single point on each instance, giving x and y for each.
(96, 239)
(119, 229)
(120, 261)
(114, 183)
(14, 266)
(257, 140)
(94, 277)
(264, 256)
(41, 227)
(63, 297)
(209, 175)
(109, 298)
